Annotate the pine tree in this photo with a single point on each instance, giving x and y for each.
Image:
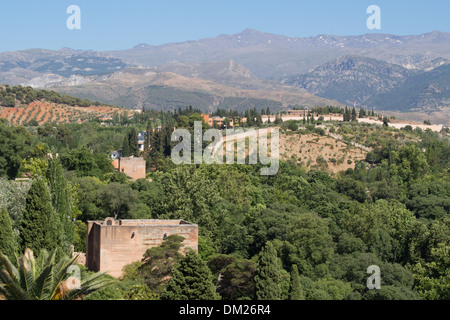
(191, 280)
(40, 227)
(268, 275)
(8, 241)
(296, 292)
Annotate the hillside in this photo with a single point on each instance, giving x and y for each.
(351, 79)
(22, 66)
(427, 92)
(24, 105)
(272, 56)
(46, 112)
(149, 89)
(319, 152)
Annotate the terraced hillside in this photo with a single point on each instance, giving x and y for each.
(47, 112)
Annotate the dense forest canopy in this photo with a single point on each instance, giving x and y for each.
(314, 232)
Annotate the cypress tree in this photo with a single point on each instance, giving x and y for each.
(62, 201)
(126, 152)
(191, 280)
(8, 241)
(296, 292)
(148, 138)
(268, 275)
(40, 227)
(133, 142)
(354, 115)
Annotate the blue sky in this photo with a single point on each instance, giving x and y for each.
(119, 24)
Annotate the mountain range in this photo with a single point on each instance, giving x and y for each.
(386, 72)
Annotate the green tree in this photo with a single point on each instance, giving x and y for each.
(158, 263)
(126, 150)
(183, 122)
(191, 280)
(41, 227)
(62, 200)
(81, 161)
(312, 245)
(237, 280)
(268, 275)
(432, 279)
(296, 290)
(8, 240)
(14, 146)
(133, 142)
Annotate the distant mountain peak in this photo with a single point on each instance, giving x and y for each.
(250, 31)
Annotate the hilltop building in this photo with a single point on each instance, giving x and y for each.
(132, 167)
(112, 244)
(141, 140)
(220, 121)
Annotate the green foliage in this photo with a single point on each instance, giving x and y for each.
(14, 146)
(62, 200)
(130, 144)
(191, 280)
(433, 278)
(390, 210)
(8, 240)
(430, 199)
(311, 246)
(235, 277)
(84, 163)
(158, 263)
(41, 278)
(268, 275)
(296, 292)
(28, 95)
(40, 227)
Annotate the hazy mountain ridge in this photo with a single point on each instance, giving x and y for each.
(426, 92)
(272, 56)
(152, 89)
(251, 64)
(34, 63)
(351, 79)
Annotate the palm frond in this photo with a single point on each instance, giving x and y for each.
(43, 284)
(10, 288)
(9, 267)
(59, 276)
(44, 278)
(90, 284)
